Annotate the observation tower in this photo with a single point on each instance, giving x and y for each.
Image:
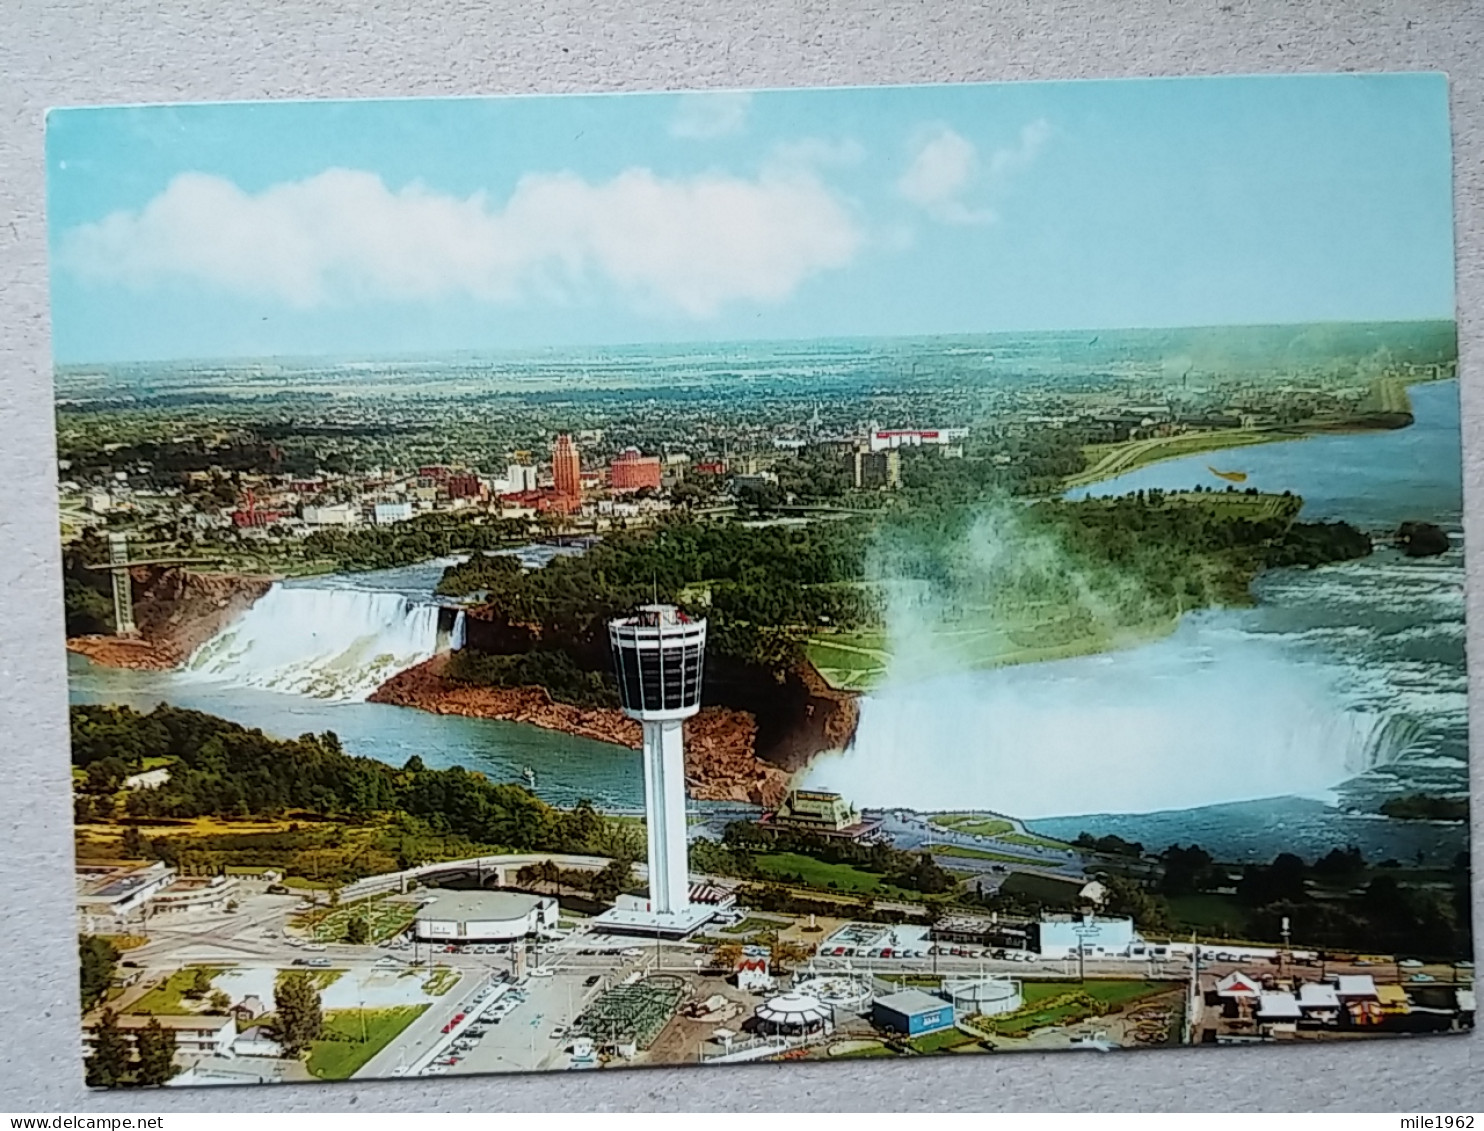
(658, 656)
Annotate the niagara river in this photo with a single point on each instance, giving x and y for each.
(1250, 731)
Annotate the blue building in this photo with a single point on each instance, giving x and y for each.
(912, 1013)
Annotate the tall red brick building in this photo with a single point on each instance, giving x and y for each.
(566, 468)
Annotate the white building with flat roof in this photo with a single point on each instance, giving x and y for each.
(485, 916)
(1062, 936)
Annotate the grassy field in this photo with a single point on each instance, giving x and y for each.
(353, 1036)
(1104, 461)
(1059, 1012)
(168, 999)
(973, 824)
(385, 917)
(857, 661)
(1210, 914)
(941, 1041)
(1032, 840)
(815, 873)
(752, 925)
(977, 854)
(1041, 887)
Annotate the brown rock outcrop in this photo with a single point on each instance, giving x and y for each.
(720, 759)
(176, 612)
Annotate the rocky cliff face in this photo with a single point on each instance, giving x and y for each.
(720, 759)
(176, 612)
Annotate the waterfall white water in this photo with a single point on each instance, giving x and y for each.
(330, 643)
(1172, 725)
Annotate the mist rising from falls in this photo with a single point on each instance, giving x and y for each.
(329, 643)
(1209, 715)
(1172, 725)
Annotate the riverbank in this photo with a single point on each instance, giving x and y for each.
(721, 762)
(175, 611)
(1385, 408)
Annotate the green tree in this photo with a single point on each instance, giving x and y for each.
(1128, 897)
(219, 1002)
(614, 878)
(97, 959)
(107, 775)
(109, 1064)
(300, 1014)
(200, 984)
(357, 931)
(156, 1048)
(133, 844)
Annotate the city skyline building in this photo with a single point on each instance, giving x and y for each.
(632, 471)
(566, 467)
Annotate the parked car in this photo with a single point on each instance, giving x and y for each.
(1409, 964)
(315, 946)
(591, 980)
(320, 962)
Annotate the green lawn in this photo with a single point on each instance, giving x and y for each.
(1044, 888)
(816, 873)
(974, 825)
(1115, 993)
(1033, 840)
(941, 1041)
(384, 916)
(1210, 914)
(978, 854)
(752, 925)
(300, 883)
(353, 1036)
(169, 999)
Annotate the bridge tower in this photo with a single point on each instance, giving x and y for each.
(123, 586)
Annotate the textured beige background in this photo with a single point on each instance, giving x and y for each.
(69, 52)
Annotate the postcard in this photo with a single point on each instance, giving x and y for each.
(562, 583)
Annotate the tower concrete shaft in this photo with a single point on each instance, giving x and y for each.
(664, 795)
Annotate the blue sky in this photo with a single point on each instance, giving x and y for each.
(368, 228)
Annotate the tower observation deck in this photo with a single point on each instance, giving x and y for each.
(659, 655)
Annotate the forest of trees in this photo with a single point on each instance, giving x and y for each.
(764, 589)
(218, 768)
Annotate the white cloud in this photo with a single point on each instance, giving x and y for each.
(689, 244)
(818, 151)
(946, 166)
(706, 115)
